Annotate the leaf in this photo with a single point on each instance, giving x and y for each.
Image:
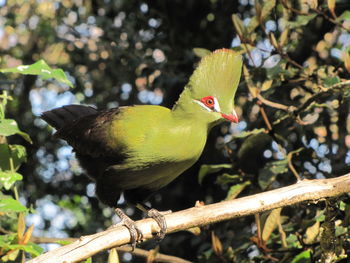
(239, 26)
(9, 127)
(11, 205)
(266, 85)
(283, 37)
(344, 16)
(194, 230)
(300, 21)
(201, 52)
(271, 223)
(40, 68)
(303, 257)
(235, 190)
(28, 234)
(216, 244)
(268, 174)
(15, 152)
(210, 169)
(113, 256)
(267, 8)
(226, 178)
(329, 82)
(20, 226)
(248, 133)
(331, 6)
(312, 233)
(8, 178)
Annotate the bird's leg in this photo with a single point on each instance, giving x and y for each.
(135, 233)
(157, 216)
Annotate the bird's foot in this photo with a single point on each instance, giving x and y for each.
(135, 233)
(160, 219)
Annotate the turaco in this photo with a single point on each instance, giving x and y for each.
(140, 149)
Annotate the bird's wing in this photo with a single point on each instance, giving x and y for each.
(90, 135)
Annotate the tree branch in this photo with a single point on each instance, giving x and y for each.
(305, 190)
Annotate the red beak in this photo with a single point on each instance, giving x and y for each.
(231, 117)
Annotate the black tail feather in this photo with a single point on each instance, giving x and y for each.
(59, 117)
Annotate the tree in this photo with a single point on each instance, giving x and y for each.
(293, 105)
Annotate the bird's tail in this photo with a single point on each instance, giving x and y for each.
(60, 117)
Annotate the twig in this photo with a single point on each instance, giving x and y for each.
(127, 249)
(306, 190)
(291, 166)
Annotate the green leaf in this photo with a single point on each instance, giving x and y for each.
(8, 178)
(268, 174)
(210, 169)
(11, 205)
(300, 21)
(303, 257)
(235, 190)
(9, 127)
(344, 16)
(201, 52)
(227, 178)
(15, 152)
(329, 82)
(267, 8)
(239, 26)
(271, 223)
(248, 133)
(40, 68)
(31, 248)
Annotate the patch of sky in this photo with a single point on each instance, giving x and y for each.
(325, 166)
(152, 22)
(91, 20)
(322, 150)
(244, 2)
(335, 148)
(336, 53)
(267, 153)
(242, 125)
(272, 61)
(236, 42)
(2, 2)
(144, 8)
(347, 157)
(310, 167)
(126, 88)
(146, 96)
(44, 99)
(265, 48)
(270, 26)
(83, 30)
(90, 190)
(320, 175)
(255, 58)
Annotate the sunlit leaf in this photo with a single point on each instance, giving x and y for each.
(235, 190)
(311, 233)
(9, 127)
(303, 257)
(226, 178)
(40, 68)
(271, 223)
(8, 178)
(239, 26)
(216, 244)
(201, 52)
(300, 21)
(16, 153)
(268, 174)
(20, 226)
(344, 16)
(210, 169)
(11, 205)
(113, 256)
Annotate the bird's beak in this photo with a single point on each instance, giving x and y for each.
(231, 117)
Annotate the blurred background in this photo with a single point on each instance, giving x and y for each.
(120, 53)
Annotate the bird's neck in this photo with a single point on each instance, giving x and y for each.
(187, 110)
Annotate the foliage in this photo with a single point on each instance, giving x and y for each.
(11, 210)
(293, 104)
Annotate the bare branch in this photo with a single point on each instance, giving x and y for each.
(126, 249)
(305, 190)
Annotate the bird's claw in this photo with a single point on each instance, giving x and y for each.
(160, 219)
(135, 233)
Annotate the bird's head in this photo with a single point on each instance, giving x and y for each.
(212, 87)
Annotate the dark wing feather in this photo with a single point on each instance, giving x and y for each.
(84, 128)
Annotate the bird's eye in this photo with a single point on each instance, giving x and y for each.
(208, 101)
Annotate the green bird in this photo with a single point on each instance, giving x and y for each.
(140, 149)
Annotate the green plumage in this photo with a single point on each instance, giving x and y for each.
(139, 149)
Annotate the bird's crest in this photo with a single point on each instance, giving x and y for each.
(217, 75)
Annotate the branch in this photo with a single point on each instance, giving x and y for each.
(306, 190)
(126, 249)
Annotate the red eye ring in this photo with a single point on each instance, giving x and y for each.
(208, 101)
